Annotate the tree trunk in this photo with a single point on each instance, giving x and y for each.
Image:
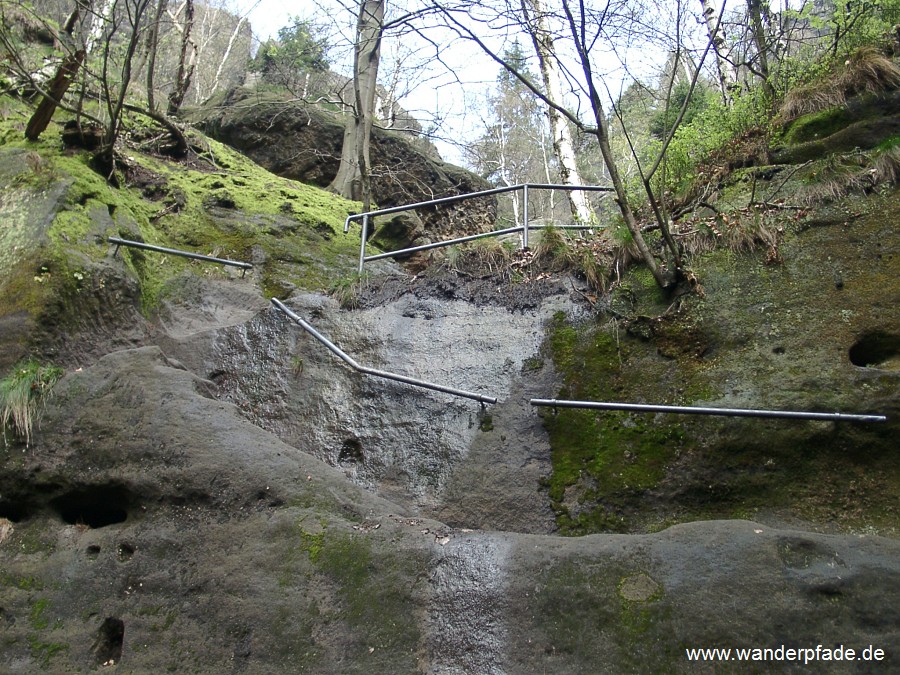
(56, 89)
(234, 35)
(353, 180)
(152, 47)
(185, 71)
(717, 39)
(98, 25)
(754, 8)
(602, 134)
(559, 127)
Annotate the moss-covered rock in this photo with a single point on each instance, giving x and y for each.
(812, 332)
(303, 142)
(60, 280)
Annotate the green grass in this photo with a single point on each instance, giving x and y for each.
(22, 393)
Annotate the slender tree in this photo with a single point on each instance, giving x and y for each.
(724, 70)
(152, 49)
(582, 28)
(505, 154)
(353, 180)
(186, 64)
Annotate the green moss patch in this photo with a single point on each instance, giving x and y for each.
(59, 213)
(579, 614)
(357, 582)
(603, 461)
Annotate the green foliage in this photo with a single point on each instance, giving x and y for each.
(662, 122)
(714, 126)
(512, 148)
(22, 393)
(299, 51)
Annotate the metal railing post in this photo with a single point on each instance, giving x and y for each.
(524, 228)
(362, 244)
(174, 251)
(525, 217)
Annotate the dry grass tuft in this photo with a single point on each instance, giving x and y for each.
(887, 167)
(857, 173)
(866, 71)
(748, 230)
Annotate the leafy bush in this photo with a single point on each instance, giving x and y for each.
(662, 122)
(22, 393)
(709, 131)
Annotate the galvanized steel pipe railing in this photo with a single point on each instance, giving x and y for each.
(184, 254)
(337, 351)
(690, 410)
(367, 217)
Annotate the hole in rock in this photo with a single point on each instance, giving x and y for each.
(93, 551)
(108, 645)
(13, 511)
(351, 451)
(125, 551)
(876, 350)
(95, 506)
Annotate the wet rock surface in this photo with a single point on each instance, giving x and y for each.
(479, 466)
(166, 532)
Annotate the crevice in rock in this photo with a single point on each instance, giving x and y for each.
(125, 551)
(351, 451)
(95, 506)
(15, 511)
(876, 350)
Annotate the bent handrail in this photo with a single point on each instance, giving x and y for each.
(337, 351)
(691, 410)
(174, 251)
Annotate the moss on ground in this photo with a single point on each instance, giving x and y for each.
(580, 614)
(220, 204)
(354, 579)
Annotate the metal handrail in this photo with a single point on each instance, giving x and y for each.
(337, 351)
(690, 410)
(174, 251)
(524, 228)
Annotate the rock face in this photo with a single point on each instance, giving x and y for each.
(219, 493)
(303, 143)
(154, 527)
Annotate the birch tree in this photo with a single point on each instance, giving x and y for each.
(582, 28)
(507, 153)
(563, 147)
(716, 32)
